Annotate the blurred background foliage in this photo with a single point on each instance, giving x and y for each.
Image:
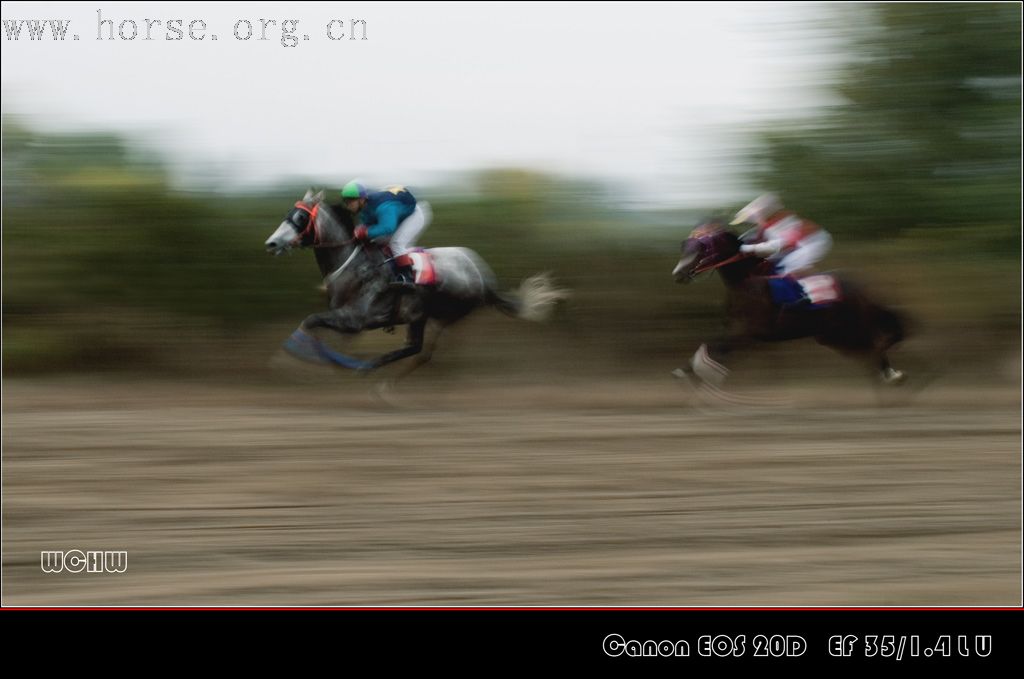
(107, 265)
(926, 132)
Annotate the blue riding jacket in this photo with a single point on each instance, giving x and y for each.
(386, 210)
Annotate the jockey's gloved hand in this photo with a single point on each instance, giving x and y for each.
(362, 233)
(762, 249)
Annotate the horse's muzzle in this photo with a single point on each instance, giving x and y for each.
(275, 247)
(683, 273)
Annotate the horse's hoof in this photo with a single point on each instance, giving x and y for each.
(893, 377)
(686, 376)
(303, 346)
(383, 392)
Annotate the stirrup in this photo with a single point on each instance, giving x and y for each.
(404, 278)
(403, 284)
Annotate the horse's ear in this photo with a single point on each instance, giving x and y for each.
(319, 196)
(309, 194)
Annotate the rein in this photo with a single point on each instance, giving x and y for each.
(317, 243)
(337, 272)
(735, 258)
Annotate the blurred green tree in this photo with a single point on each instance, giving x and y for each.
(92, 225)
(927, 133)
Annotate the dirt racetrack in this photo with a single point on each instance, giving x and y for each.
(596, 493)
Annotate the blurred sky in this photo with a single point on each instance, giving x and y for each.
(653, 96)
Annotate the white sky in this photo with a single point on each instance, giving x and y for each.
(652, 95)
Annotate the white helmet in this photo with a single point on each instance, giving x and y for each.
(759, 209)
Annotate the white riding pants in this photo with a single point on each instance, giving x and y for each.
(409, 230)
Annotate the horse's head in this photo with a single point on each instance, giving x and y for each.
(299, 227)
(709, 245)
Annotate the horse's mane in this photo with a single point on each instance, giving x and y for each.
(732, 237)
(716, 231)
(340, 215)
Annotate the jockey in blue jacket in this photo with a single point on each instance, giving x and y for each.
(392, 216)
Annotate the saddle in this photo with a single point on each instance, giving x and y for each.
(422, 264)
(816, 290)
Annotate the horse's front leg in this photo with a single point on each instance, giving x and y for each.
(303, 344)
(705, 374)
(706, 363)
(344, 321)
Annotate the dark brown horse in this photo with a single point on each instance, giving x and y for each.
(829, 308)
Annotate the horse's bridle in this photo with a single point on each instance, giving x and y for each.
(311, 226)
(311, 223)
(703, 236)
(312, 213)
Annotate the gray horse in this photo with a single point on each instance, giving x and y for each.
(361, 297)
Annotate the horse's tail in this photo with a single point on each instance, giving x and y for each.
(534, 300)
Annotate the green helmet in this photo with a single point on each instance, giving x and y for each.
(353, 190)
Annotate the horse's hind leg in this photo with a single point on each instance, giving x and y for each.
(413, 346)
(890, 333)
(432, 334)
(384, 388)
(889, 374)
